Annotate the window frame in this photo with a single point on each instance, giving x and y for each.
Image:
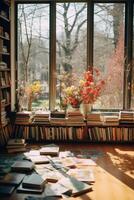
(90, 37)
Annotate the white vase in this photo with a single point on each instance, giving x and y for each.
(86, 108)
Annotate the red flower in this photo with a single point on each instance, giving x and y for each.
(91, 87)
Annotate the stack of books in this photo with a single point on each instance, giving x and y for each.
(16, 145)
(24, 117)
(33, 183)
(41, 117)
(75, 118)
(110, 120)
(94, 119)
(58, 118)
(4, 119)
(126, 117)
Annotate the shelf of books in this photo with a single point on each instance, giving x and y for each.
(40, 126)
(5, 72)
(97, 127)
(5, 134)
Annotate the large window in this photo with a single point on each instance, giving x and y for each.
(77, 34)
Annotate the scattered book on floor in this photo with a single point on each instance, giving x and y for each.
(41, 198)
(51, 149)
(51, 176)
(29, 190)
(22, 166)
(84, 175)
(39, 159)
(77, 187)
(12, 179)
(56, 189)
(33, 181)
(6, 189)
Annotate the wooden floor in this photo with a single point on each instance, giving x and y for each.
(114, 173)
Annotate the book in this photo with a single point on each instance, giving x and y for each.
(29, 190)
(41, 198)
(77, 187)
(16, 142)
(51, 149)
(12, 179)
(51, 176)
(56, 189)
(84, 175)
(33, 181)
(24, 166)
(57, 114)
(16, 150)
(6, 189)
(39, 159)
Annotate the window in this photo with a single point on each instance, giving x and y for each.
(33, 51)
(71, 37)
(83, 32)
(109, 51)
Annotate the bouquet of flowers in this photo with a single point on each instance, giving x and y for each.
(72, 96)
(27, 93)
(87, 90)
(91, 86)
(32, 90)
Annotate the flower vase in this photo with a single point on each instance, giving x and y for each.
(86, 108)
(76, 108)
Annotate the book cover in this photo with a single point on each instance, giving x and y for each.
(16, 142)
(56, 189)
(6, 190)
(23, 166)
(12, 179)
(49, 150)
(39, 159)
(84, 175)
(33, 181)
(29, 190)
(77, 187)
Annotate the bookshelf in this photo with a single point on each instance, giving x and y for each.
(5, 70)
(97, 128)
(91, 134)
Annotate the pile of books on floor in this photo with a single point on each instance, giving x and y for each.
(16, 145)
(24, 117)
(41, 117)
(51, 172)
(126, 117)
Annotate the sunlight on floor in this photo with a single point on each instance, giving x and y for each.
(123, 160)
(129, 153)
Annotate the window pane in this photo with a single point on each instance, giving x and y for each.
(71, 35)
(33, 51)
(109, 52)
